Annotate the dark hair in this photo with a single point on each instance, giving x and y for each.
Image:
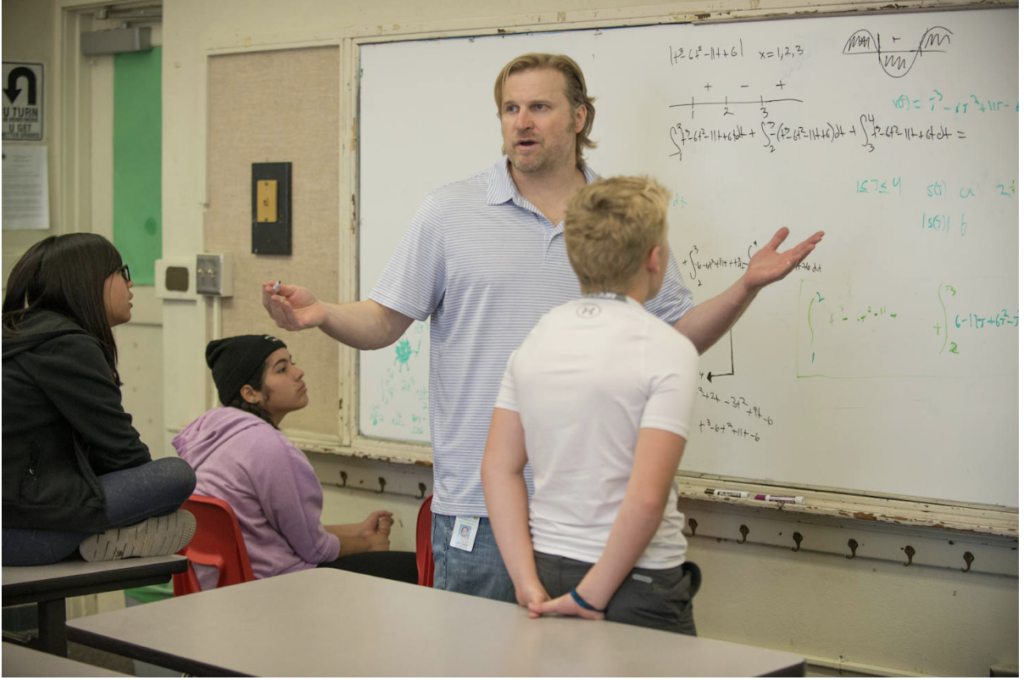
(256, 382)
(65, 274)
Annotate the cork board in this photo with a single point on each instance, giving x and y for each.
(280, 106)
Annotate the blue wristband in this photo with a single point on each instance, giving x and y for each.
(583, 603)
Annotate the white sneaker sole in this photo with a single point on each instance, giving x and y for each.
(153, 537)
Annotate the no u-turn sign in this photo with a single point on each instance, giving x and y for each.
(23, 101)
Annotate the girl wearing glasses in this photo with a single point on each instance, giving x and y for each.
(76, 476)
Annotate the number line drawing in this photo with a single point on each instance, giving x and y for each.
(761, 102)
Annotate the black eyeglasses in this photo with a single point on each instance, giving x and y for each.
(123, 271)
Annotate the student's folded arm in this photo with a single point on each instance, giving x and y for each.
(292, 500)
(506, 497)
(658, 453)
(353, 545)
(79, 383)
(366, 528)
(372, 534)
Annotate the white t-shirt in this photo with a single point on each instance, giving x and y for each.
(586, 379)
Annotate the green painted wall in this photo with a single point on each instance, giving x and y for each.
(137, 155)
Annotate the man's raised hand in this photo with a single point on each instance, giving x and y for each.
(768, 265)
(293, 308)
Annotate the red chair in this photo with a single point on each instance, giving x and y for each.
(218, 542)
(424, 547)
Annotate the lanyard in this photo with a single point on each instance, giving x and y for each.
(608, 296)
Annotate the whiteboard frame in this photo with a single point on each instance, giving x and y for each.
(885, 509)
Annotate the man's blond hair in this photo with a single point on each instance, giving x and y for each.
(610, 227)
(575, 90)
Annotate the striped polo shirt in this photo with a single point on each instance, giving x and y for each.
(484, 265)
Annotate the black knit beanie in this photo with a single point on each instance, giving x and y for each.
(238, 361)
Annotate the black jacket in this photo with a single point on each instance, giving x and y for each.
(63, 426)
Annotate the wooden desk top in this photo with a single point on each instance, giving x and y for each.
(22, 585)
(325, 622)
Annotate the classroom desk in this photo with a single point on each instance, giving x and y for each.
(22, 662)
(51, 584)
(325, 622)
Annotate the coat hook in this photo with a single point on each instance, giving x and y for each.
(797, 538)
(344, 478)
(382, 482)
(910, 554)
(853, 545)
(968, 558)
(693, 526)
(744, 530)
(423, 491)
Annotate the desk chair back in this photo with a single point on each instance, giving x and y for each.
(218, 542)
(424, 545)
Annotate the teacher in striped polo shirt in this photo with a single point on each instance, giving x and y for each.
(484, 259)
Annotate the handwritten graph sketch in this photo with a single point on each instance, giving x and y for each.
(897, 62)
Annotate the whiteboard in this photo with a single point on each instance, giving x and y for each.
(888, 362)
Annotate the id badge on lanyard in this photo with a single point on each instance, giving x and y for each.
(464, 534)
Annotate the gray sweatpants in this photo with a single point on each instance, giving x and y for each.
(653, 598)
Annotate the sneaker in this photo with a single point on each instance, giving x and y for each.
(153, 537)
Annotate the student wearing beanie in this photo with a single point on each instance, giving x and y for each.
(240, 456)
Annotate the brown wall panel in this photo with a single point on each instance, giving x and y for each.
(280, 106)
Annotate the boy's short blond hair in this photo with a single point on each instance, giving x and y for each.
(610, 227)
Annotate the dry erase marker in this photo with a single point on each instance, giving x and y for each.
(772, 498)
(277, 286)
(726, 493)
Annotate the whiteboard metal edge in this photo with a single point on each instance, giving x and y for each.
(656, 15)
(848, 504)
(348, 239)
(233, 42)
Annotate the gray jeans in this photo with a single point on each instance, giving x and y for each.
(652, 598)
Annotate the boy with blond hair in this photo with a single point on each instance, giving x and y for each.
(598, 400)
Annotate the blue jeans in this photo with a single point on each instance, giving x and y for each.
(152, 489)
(481, 572)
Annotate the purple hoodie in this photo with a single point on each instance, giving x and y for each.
(267, 480)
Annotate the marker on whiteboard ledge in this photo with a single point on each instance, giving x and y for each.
(773, 498)
(726, 493)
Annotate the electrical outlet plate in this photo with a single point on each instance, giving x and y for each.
(176, 279)
(214, 275)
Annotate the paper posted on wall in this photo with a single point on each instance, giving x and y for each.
(26, 187)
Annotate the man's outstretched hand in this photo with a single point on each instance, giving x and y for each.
(768, 265)
(293, 308)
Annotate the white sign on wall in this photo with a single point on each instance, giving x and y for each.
(26, 188)
(23, 101)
